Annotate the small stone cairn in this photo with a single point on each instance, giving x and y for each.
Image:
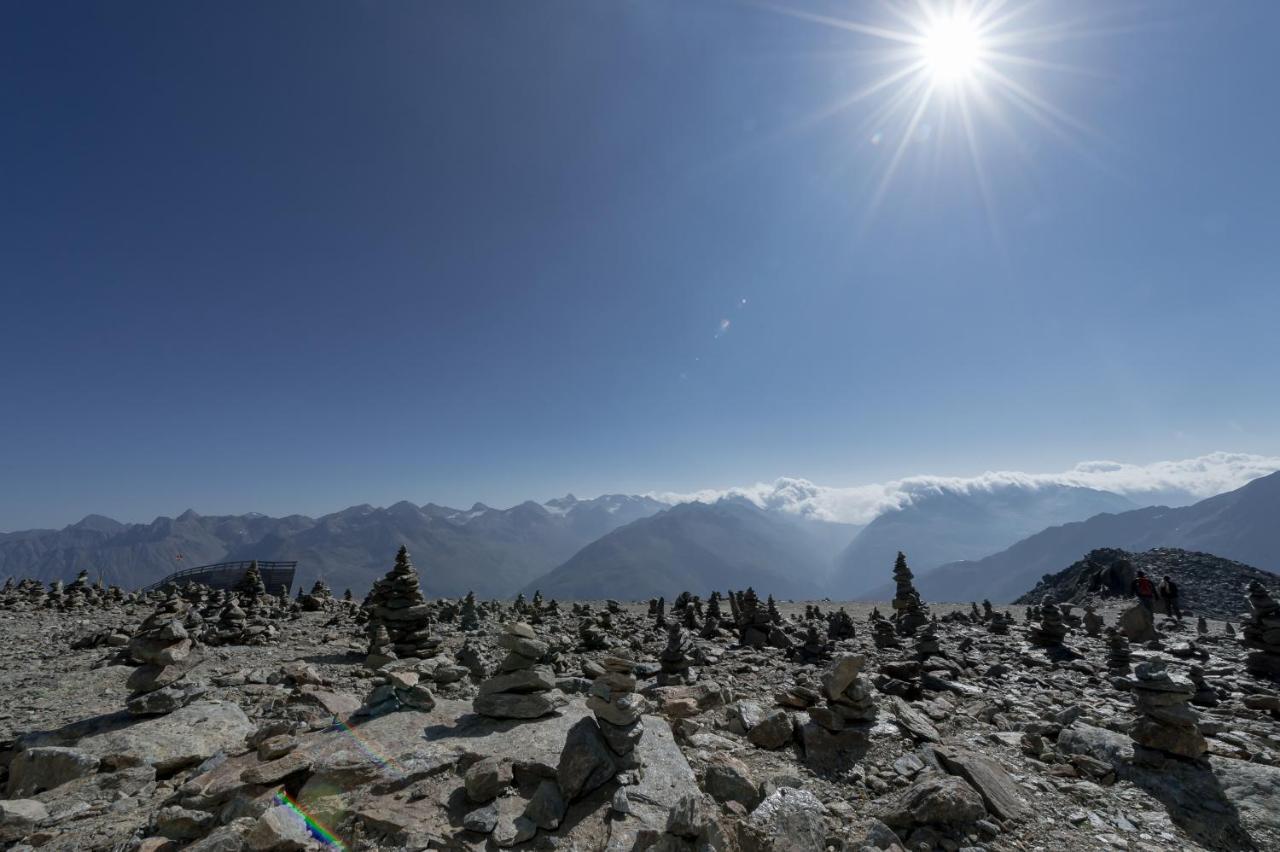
(850, 699)
(839, 625)
(1093, 623)
(1051, 630)
(166, 653)
(1262, 633)
(1166, 724)
(617, 706)
(469, 616)
(676, 667)
(1118, 654)
(523, 688)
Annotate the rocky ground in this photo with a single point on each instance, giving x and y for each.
(991, 743)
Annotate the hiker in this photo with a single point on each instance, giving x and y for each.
(1145, 590)
(1168, 591)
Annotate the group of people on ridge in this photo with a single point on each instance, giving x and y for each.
(1148, 593)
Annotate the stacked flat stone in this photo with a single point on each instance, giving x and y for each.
(1202, 626)
(754, 625)
(399, 690)
(522, 688)
(77, 592)
(320, 598)
(660, 614)
(251, 584)
(166, 653)
(927, 642)
(1118, 655)
(676, 666)
(690, 619)
(469, 616)
(1166, 723)
(1206, 695)
(1050, 631)
(883, 634)
(839, 625)
(1093, 623)
(397, 603)
(54, 600)
(814, 649)
(381, 649)
(999, 623)
(849, 696)
(591, 636)
(1262, 633)
(617, 707)
(909, 610)
(987, 610)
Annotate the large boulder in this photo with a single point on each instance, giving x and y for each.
(35, 770)
(586, 761)
(1138, 624)
(789, 820)
(934, 800)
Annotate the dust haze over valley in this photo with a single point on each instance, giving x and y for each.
(800, 426)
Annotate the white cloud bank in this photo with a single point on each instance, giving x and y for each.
(1168, 482)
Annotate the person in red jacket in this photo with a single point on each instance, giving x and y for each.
(1145, 590)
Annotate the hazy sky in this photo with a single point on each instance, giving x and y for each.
(291, 256)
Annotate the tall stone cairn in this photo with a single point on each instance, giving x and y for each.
(1166, 723)
(1261, 633)
(251, 585)
(909, 611)
(397, 603)
(468, 617)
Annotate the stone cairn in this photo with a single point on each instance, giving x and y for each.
(1051, 630)
(592, 636)
(909, 611)
(1166, 725)
(469, 616)
(166, 654)
(883, 634)
(659, 612)
(617, 706)
(1262, 633)
(674, 659)
(320, 597)
(523, 688)
(999, 623)
(839, 625)
(927, 643)
(987, 611)
(754, 624)
(850, 700)
(1093, 623)
(814, 649)
(1206, 695)
(397, 604)
(1202, 626)
(1118, 655)
(711, 622)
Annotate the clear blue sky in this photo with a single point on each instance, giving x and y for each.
(291, 256)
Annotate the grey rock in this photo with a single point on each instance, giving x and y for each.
(586, 761)
(47, 767)
(787, 821)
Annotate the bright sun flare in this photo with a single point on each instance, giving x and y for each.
(952, 48)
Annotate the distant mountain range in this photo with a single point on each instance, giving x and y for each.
(731, 543)
(1242, 525)
(493, 551)
(1006, 536)
(945, 524)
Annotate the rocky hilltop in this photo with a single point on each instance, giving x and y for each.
(207, 720)
(1207, 585)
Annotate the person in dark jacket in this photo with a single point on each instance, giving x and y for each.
(1168, 591)
(1145, 590)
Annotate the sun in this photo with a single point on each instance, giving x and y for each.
(952, 48)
